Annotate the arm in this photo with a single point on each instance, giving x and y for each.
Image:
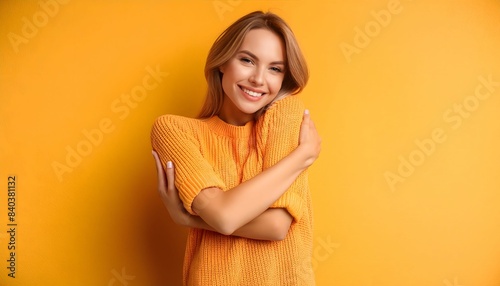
(174, 140)
(272, 224)
(228, 211)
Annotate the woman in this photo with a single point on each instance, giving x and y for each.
(240, 169)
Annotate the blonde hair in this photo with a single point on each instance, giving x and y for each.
(227, 45)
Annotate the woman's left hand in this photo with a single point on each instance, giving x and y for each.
(169, 193)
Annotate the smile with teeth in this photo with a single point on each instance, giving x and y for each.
(251, 93)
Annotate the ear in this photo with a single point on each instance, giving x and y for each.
(222, 68)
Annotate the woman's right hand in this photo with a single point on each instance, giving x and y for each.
(309, 140)
(169, 193)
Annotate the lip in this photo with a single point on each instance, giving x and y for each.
(251, 98)
(252, 89)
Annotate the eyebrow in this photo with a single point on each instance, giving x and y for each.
(255, 57)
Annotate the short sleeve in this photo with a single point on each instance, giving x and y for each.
(280, 128)
(172, 138)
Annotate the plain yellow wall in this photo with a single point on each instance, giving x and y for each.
(406, 95)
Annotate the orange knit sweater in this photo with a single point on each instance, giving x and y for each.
(211, 153)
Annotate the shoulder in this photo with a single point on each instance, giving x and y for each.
(282, 120)
(287, 104)
(288, 109)
(169, 123)
(170, 119)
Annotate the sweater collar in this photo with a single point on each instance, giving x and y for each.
(220, 127)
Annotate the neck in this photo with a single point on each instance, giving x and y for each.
(235, 121)
(231, 115)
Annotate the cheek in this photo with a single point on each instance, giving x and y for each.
(275, 84)
(231, 75)
(227, 80)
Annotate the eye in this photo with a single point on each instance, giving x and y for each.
(276, 69)
(246, 60)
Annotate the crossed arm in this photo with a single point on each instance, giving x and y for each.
(244, 210)
(272, 224)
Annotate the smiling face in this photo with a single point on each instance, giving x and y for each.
(252, 78)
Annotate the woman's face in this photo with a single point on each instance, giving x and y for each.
(253, 77)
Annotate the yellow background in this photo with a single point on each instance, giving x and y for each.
(439, 224)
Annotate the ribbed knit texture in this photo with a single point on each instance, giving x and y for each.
(211, 153)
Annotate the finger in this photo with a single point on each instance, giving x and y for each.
(307, 117)
(314, 131)
(304, 127)
(170, 176)
(160, 173)
(312, 126)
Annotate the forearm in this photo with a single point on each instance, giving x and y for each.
(272, 224)
(230, 210)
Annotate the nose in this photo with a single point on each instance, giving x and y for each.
(257, 77)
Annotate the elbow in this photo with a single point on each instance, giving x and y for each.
(280, 236)
(226, 230)
(280, 226)
(213, 210)
(217, 217)
(224, 223)
(279, 232)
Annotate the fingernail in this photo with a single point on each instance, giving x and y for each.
(306, 111)
(169, 165)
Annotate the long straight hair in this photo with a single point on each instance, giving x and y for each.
(227, 45)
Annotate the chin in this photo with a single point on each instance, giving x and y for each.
(250, 109)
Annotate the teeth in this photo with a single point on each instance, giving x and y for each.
(252, 93)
